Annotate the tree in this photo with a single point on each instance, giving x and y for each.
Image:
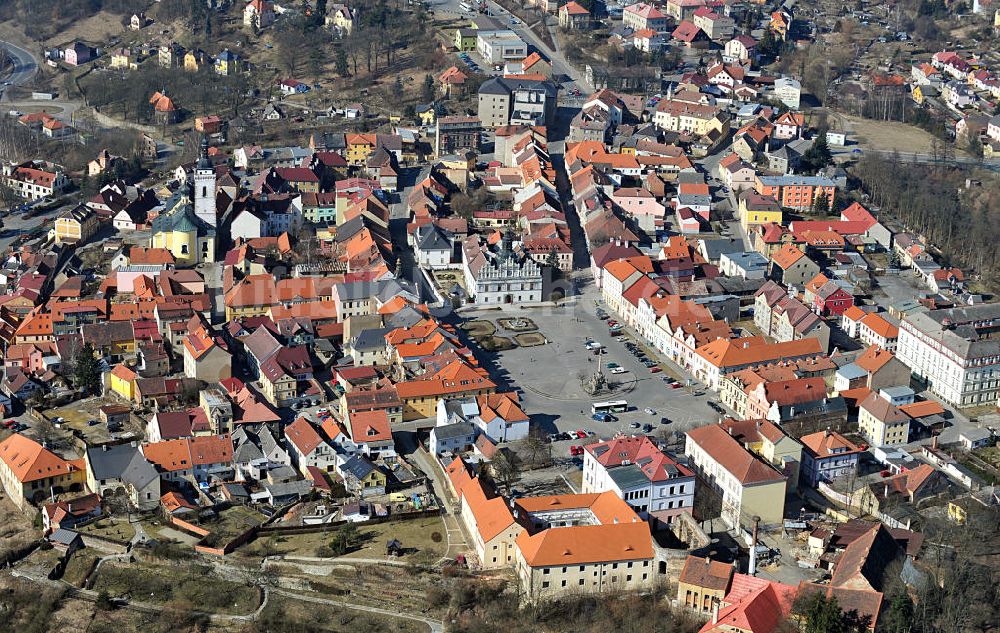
(344, 539)
(821, 204)
(506, 469)
(340, 62)
(87, 376)
(428, 88)
(537, 450)
(820, 615)
(816, 157)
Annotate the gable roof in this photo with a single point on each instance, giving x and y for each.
(30, 461)
(731, 455)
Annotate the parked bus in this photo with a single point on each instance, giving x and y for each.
(466, 5)
(613, 406)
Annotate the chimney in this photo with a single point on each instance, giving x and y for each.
(715, 613)
(934, 442)
(753, 547)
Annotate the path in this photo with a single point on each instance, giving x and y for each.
(436, 626)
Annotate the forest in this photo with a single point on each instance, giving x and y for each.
(936, 201)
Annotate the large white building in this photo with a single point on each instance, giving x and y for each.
(957, 351)
(646, 478)
(497, 276)
(499, 416)
(34, 180)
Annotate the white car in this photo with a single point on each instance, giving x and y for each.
(649, 411)
(618, 370)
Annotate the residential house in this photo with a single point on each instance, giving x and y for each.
(30, 473)
(653, 483)
(827, 455)
(121, 469)
(749, 487)
(881, 422)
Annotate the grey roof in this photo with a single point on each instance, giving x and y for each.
(784, 181)
(355, 290)
(358, 466)
(748, 260)
(851, 371)
(714, 248)
(389, 289)
(261, 344)
(737, 285)
(627, 477)
(295, 488)
(953, 329)
(976, 435)
(817, 407)
(122, 461)
(403, 318)
(64, 536)
(452, 431)
(267, 441)
(370, 339)
(506, 86)
(431, 237)
(246, 452)
(900, 390)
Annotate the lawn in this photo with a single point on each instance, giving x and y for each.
(479, 328)
(16, 530)
(417, 537)
(194, 585)
(530, 339)
(232, 522)
(80, 565)
(114, 529)
(292, 614)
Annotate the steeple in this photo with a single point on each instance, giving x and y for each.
(203, 162)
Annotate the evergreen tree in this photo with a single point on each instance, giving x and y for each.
(88, 373)
(428, 92)
(821, 204)
(340, 61)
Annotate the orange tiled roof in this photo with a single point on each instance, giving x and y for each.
(30, 461)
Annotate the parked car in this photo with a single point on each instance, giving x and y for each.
(612, 365)
(635, 425)
(676, 385)
(649, 411)
(647, 428)
(716, 406)
(580, 434)
(655, 369)
(575, 450)
(618, 370)
(664, 420)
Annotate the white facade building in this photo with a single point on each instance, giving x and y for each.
(955, 351)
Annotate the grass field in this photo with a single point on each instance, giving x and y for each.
(117, 529)
(888, 135)
(79, 565)
(415, 535)
(479, 327)
(15, 528)
(194, 585)
(296, 612)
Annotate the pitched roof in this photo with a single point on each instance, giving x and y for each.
(827, 443)
(731, 455)
(303, 435)
(750, 351)
(706, 573)
(585, 544)
(30, 461)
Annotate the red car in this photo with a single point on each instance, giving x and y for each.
(575, 450)
(580, 434)
(9, 423)
(676, 385)
(655, 369)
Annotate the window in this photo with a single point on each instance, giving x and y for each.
(545, 585)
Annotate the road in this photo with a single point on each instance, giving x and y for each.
(25, 65)
(560, 65)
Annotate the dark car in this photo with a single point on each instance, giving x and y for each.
(664, 420)
(716, 406)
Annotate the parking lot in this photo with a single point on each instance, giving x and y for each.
(550, 378)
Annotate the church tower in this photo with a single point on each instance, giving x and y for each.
(204, 187)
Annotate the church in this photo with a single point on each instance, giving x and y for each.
(188, 224)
